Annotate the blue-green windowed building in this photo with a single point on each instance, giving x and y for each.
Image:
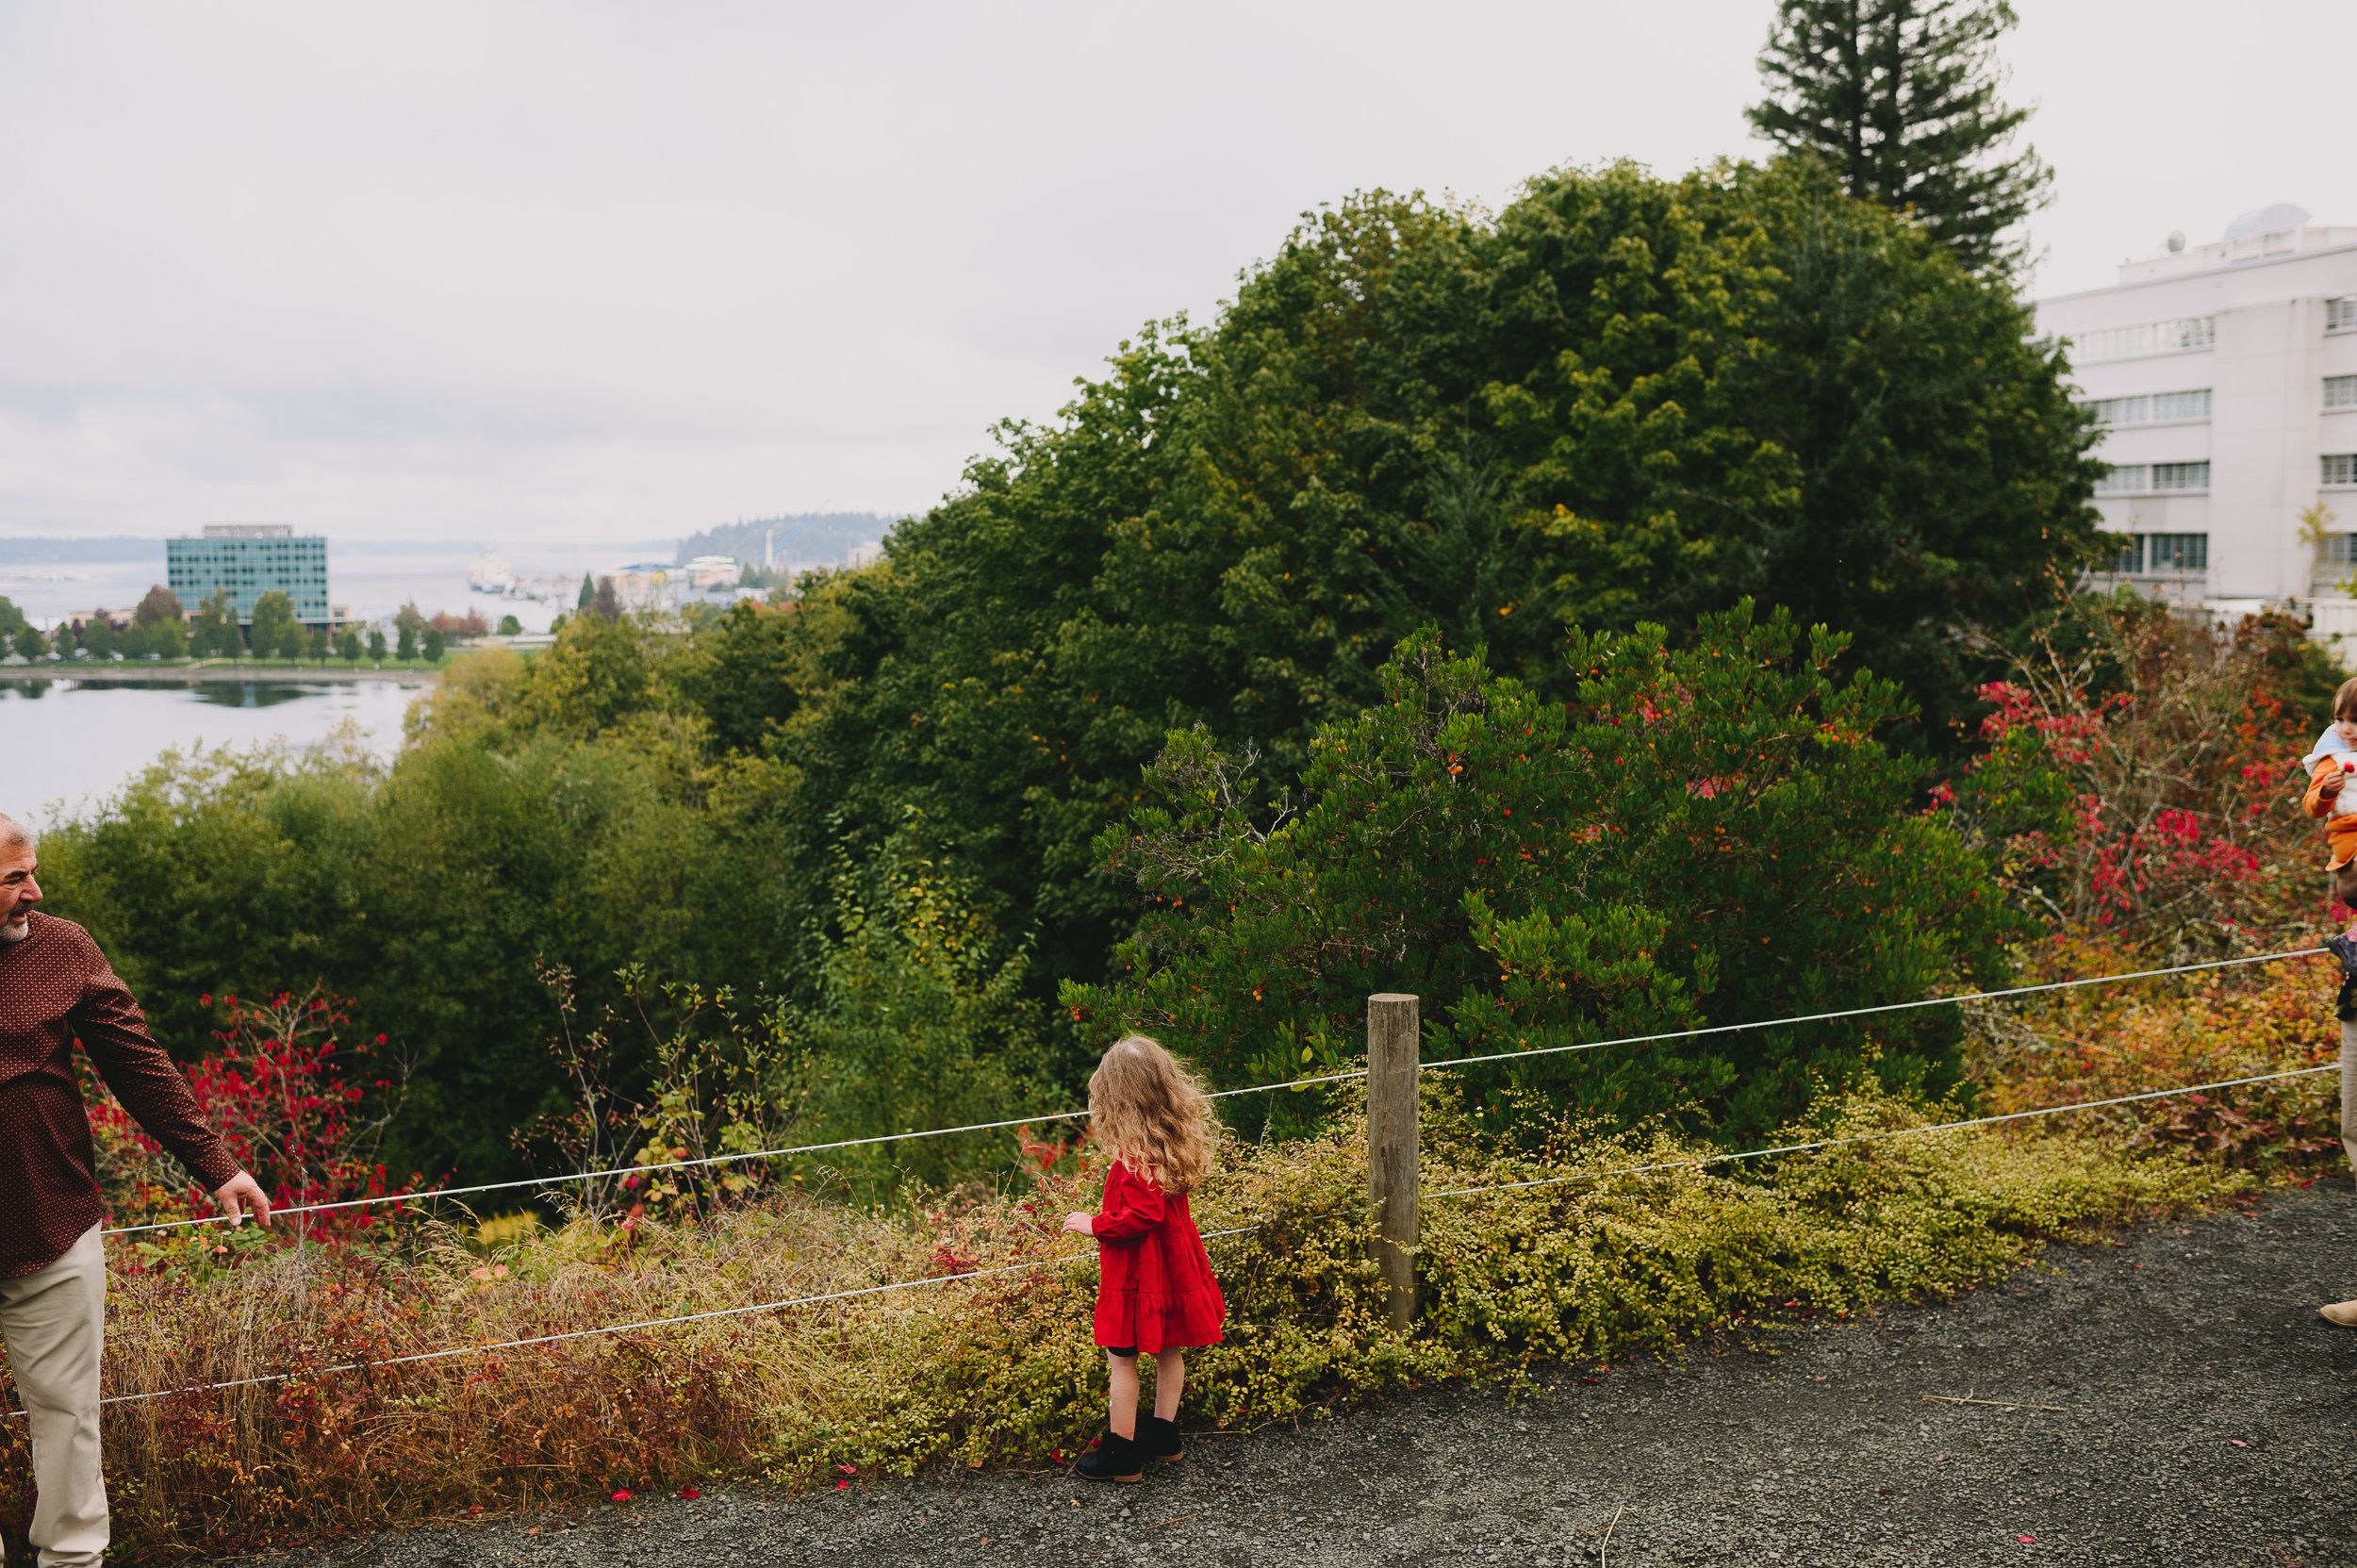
(249, 559)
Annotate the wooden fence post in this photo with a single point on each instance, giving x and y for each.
(1392, 1048)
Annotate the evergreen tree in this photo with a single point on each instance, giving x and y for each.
(589, 592)
(1901, 97)
(376, 645)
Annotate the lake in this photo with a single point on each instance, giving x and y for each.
(70, 742)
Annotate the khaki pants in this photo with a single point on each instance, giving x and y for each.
(52, 1320)
(2348, 1092)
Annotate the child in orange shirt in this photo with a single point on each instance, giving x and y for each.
(2330, 763)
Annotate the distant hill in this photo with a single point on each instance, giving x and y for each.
(812, 539)
(38, 552)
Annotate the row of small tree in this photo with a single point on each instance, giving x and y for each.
(160, 628)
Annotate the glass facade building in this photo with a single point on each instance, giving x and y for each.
(249, 560)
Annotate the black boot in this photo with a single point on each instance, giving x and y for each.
(1113, 1459)
(1161, 1439)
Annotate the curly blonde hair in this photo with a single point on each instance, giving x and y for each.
(1151, 1114)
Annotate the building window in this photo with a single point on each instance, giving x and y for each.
(2340, 315)
(2144, 478)
(2340, 467)
(2340, 391)
(2163, 555)
(2182, 336)
(2151, 409)
(2340, 549)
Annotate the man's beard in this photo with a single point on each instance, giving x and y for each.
(17, 930)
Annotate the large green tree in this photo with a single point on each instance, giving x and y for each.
(1621, 398)
(1904, 99)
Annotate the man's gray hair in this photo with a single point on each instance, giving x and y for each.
(14, 834)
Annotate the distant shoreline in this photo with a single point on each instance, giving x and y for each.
(197, 674)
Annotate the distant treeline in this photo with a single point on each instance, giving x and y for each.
(810, 538)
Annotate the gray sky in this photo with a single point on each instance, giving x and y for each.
(575, 271)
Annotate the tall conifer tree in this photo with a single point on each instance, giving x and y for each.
(1901, 97)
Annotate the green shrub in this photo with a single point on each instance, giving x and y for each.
(1706, 835)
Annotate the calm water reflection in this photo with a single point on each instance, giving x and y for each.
(67, 743)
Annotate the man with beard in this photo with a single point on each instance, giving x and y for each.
(56, 991)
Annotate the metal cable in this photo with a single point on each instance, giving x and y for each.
(1893, 1132)
(1345, 1076)
(1698, 1162)
(446, 1354)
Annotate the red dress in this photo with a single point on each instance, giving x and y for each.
(1155, 1290)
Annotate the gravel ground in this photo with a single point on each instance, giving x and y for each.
(2204, 1418)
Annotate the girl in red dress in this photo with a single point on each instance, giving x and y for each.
(1155, 1292)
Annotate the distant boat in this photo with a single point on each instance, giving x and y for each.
(490, 575)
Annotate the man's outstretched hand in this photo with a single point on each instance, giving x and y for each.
(241, 1196)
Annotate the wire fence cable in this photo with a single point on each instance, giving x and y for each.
(757, 1308)
(1347, 1075)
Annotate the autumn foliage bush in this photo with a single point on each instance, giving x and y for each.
(275, 1085)
(2138, 778)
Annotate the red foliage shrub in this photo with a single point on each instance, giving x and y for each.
(275, 1088)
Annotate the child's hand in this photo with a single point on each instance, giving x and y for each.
(1084, 1224)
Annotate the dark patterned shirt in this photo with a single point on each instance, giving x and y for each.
(58, 989)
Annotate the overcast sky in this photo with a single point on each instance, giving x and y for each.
(572, 271)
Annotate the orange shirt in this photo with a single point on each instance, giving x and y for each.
(2338, 806)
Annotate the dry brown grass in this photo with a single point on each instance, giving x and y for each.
(999, 1369)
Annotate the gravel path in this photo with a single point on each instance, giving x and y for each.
(2206, 1416)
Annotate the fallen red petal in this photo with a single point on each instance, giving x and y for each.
(689, 1493)
(2239, 1443)
(622, 1496)
(2027, 1539)
(843, 1486)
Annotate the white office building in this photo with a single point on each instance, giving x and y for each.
(2226, 378)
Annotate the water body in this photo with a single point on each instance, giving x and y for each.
(68, 744)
